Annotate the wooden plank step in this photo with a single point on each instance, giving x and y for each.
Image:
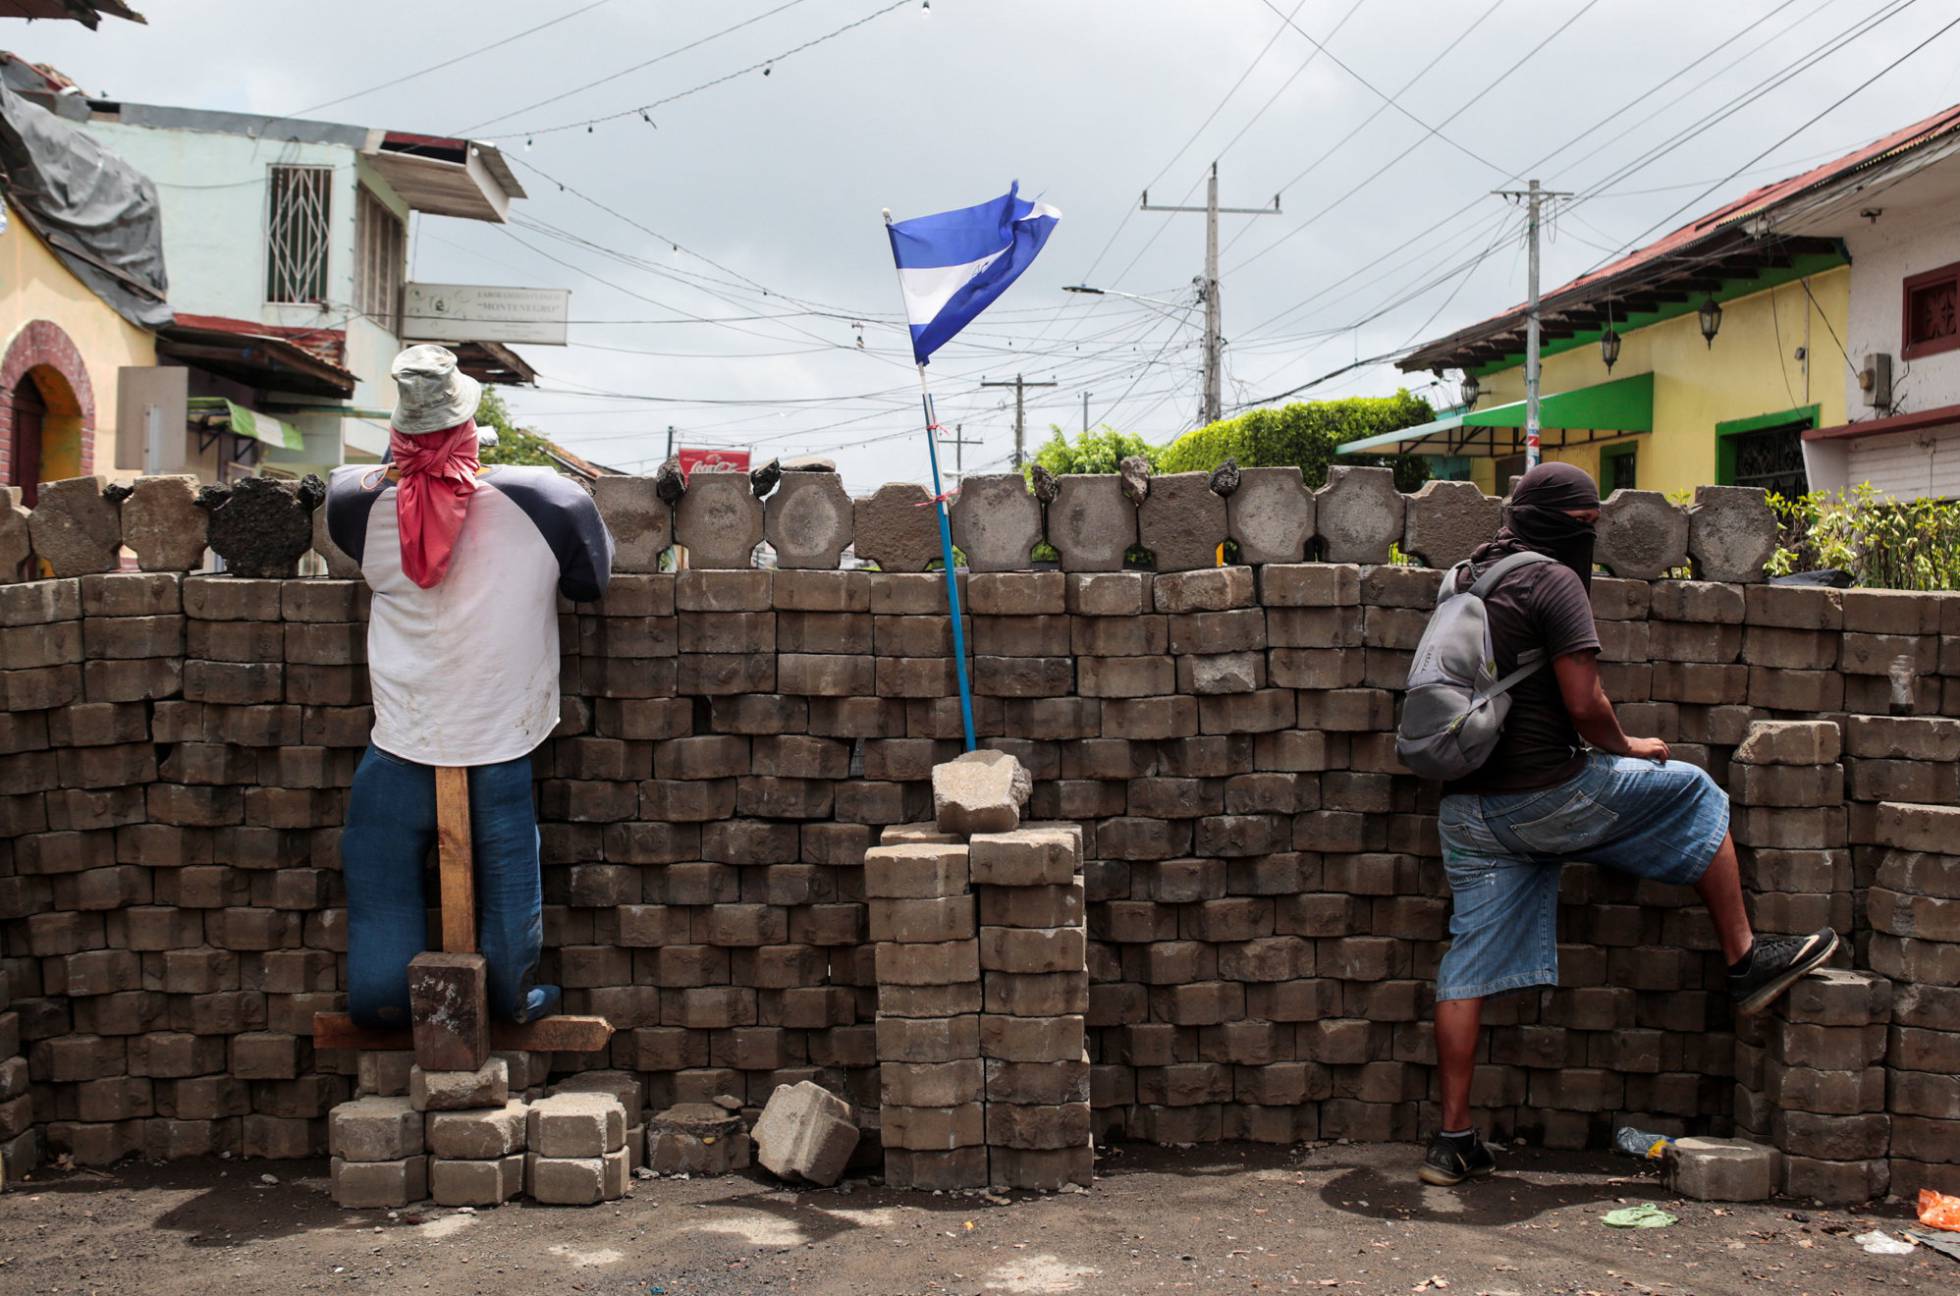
(563, 1034)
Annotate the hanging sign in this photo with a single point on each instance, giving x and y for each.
(485, 313)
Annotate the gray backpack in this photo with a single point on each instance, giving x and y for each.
(1455, 706)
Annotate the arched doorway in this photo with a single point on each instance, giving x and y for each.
(30, 413)
(47, 410)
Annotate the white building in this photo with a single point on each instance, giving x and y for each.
(284, 236)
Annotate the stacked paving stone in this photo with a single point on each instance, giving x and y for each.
(1913, 908)
(20, 1144)
(1789, 824)
(1261, 879)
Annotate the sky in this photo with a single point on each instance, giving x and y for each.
(730, 276)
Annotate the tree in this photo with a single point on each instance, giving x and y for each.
(1305, 435)
(1099, 451)
(515, 445)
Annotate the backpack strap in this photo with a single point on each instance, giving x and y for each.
(1504, 685)
(1504, 567)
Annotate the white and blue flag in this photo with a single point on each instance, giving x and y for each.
(951, 266)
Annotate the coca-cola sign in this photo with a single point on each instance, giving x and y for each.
(713, 461)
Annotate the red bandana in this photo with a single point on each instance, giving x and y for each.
(437, 477)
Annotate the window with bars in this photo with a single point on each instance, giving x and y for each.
(1772, 458)
(298, 203)
(1932, 313)
(1618, 468)
(379, 240)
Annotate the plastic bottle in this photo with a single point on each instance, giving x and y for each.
(1641, 1143)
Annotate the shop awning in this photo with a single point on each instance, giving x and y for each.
(1610, 408)
(246, 423)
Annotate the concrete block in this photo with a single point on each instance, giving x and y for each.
(15, 542)
(1182, 522)
(1790, 742)
(476, 1183)
(808, 520)
(384, 1072)
(1447, 520)
(697, 1139)
(576, 1125)
(805, 1133)
(1024, 857)
(1731, 533)
(163, 524)
(575, 1181)
(374, 1185)
(1717, 1169)
(946, 1171)
(897, 527)
(919, 870)
(487, 1086)
(480, 1135)
(449, 1006)
(1042, 1169)
(642, 525)
(74, 528)
(374, 1129)
(932, 1129)
(996, 522)
(1358, 515)
(1641, 535)
(1091, 523)
(1271, 515)
(719, 521)
(261, 526)
(1837, 1183)
(980, 792)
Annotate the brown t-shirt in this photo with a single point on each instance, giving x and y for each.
(1543, 606)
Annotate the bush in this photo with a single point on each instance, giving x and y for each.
(1885, 543)
(1099, 451)
(1305, 435)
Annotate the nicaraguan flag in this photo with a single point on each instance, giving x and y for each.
(953, 265)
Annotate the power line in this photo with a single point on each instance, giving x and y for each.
(448, 62)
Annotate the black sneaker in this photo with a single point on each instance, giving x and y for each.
(1451, 1161)
(1777, 963)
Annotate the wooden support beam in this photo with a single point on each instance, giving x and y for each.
(456, 868)
(547, 1035)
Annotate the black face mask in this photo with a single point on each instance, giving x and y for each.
(1554, 531)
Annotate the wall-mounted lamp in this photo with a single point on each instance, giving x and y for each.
(1711, 320)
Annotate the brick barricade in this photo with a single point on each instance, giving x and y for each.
(1264, 900)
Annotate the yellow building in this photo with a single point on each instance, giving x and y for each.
(61, 352)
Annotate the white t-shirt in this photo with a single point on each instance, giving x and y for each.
(466, 671)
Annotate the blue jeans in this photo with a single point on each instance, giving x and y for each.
(391, 827)
(1503, 855)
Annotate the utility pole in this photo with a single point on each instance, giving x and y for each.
(959, 444)
(1213, 408)
(1020, 386)
(1534, 200)
(670, 443)
(1085, 413)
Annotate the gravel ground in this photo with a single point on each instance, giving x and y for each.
(1350, 1220)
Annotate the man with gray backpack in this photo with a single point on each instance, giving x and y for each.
(1505, 708)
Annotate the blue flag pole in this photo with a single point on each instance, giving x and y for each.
(952, 570)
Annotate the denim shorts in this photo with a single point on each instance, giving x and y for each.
(1503, 854)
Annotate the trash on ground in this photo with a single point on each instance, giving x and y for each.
(1641, 1143)
(1946, 1246)
(1645, 1215)
(1937, 1210)
(1878, 1243)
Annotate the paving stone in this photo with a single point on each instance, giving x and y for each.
(805, 1133)
(1358, 515)
(980, 792)
(479, 1135)
(996, 522)
(384, 1071)
(1731, 533)
(74, 528)
(449, 1004)
(1024, 857)
(487, 1086)
(576, 1125)
(262, 526)
(719, 521)
(808, 520)
(163, 524)
(1790, 742)
(1091, 523)
(15, 544)
(1447, 520)
(1271, 515)
(897, 527)
(1717, 1169)
(1182, 522)
(578, 1181)
(1642, 535)
(697, 1139)
(374, 1129)
(642, 525)
(373, 1185)
(476, 1182)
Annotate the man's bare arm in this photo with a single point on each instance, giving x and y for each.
(1592, 712)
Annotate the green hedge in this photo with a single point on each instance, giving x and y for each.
(1884, 543)
(1304, 435)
